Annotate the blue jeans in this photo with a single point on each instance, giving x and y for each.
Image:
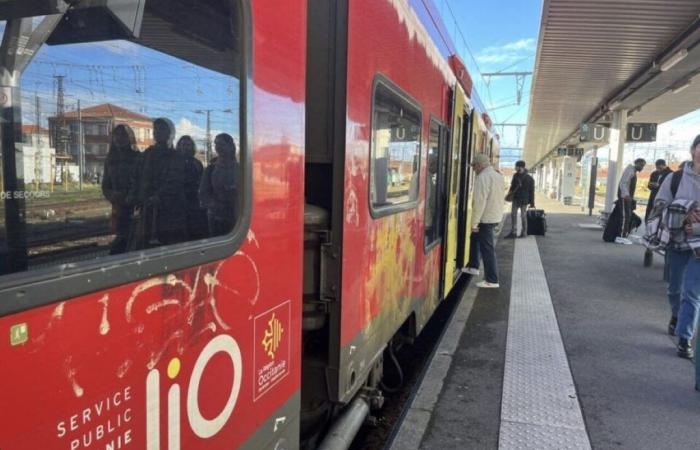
(684, 291)
(482, 244)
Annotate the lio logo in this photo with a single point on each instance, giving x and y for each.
(202, 427)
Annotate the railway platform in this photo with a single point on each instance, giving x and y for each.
(570, 352)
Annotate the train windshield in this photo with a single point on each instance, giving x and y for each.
(120, 127)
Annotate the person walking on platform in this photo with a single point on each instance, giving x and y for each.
(620, 220)
(522, 195)
(655, 181)
(680, 196)
(487, 211)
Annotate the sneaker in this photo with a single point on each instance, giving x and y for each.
(621, 240)
(685, 349)
(672, 326)
(471, 271)
(510, 235)
(523, 235)
(485, 284)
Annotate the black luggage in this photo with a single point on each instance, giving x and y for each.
(536, 222)
(635, 222)
(613, 227)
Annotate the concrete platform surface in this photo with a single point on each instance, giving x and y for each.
(632, 389)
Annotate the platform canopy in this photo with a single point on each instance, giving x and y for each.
(596, 56)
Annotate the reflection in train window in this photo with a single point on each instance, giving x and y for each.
(395, 159)
(121, 134)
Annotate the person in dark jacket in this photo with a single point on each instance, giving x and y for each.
(219, 188)
(120, 164)
(159, 191)
(196, 215)
(655, 181)
(522, 195)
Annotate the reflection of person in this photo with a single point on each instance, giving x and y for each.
(684, 256)
(159, 191)
(522, 192)
(655, 181)
(121, 161)
(196, 215)
(219, 187)
(487, 211)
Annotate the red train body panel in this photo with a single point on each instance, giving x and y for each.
(198, 336)
(386, 272)
(253, 349)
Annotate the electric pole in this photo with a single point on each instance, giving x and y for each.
(207, 154)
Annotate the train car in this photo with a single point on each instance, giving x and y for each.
(332, 229)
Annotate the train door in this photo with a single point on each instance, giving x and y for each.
(476, 144)
(465, 205)
(451, 241)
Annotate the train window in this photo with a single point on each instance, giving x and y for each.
(395, 150)
(435, 190)
(122, 132)
(433, 183)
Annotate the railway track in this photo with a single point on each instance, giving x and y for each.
(378, 432)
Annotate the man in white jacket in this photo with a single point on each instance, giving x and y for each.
(487, 211)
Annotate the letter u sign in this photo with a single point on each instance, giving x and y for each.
(636, 133)
(598, 133)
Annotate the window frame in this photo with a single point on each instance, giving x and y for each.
(34, 288)
(443, 133)
(394, 89)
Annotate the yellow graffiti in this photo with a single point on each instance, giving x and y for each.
(390, 274)
(273, 336)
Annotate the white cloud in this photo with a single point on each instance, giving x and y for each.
(522, 44)
(185, 126)
(508, 53)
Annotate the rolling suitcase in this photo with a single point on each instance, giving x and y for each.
(536, 222)
(613, 226)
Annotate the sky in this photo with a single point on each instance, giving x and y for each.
(501, 35)
(134, 77)
(493, 36)
(497, 36)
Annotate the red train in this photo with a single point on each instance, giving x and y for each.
(354, 121)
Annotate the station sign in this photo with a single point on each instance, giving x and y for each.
(641, 132)
(594, 132)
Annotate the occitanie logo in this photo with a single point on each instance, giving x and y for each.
(273, 336)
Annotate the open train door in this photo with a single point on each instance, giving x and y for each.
(452, 241)
(464, 229)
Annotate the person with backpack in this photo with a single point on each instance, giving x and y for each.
(655, 181)
(522, 196)
(679, 202)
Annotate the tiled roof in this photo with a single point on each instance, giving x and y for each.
(108, 110)
(33, 129)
